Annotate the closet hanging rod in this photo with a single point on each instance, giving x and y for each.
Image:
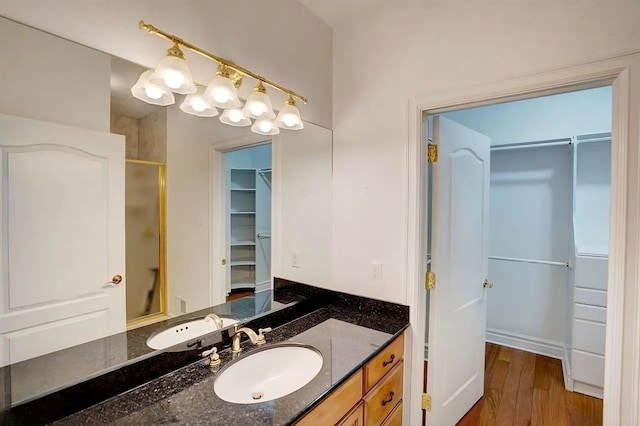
(261, 235)
(537, 144)
(594, 140)
(534, 261)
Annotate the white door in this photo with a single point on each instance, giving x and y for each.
(458, 309)
(62, 237)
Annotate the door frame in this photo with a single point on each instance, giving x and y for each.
(623, 298)
(218, 215)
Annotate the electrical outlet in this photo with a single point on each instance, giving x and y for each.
(295, 255)
(376, 271)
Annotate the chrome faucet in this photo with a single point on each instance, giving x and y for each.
(215, 318)
(256, 339)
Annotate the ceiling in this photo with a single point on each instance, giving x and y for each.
(335, 11)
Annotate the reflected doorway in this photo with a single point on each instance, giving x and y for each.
(248, 220)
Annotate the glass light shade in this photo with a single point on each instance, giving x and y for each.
(173, 73)
(265, 127)
(259, 107)
(151, 93)
(196, 104)
(234, 117)
(222, 93)
(289, 118)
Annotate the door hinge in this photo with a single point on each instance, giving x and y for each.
(426, 401)
(430, 281)
(432, 153)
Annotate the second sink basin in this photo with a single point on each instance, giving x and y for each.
(268, 373)
(184, 332)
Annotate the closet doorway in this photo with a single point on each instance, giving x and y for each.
(545, 255)
(248, 220)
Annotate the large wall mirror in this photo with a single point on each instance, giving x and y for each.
(145, 215)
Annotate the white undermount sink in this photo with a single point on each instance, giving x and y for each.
(269, 373)
(184, 332)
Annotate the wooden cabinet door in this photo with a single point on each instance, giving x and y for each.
(337, 404)
(355, 417)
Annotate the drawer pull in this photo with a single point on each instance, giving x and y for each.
(385, 363)
(388, 400)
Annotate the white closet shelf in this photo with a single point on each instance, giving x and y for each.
(242, 243)
(242, 212)
(243, 189)
(243, 263)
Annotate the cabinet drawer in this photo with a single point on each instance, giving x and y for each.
(589, 336)
(388, 358)
(590, 313)
(395, 418)
(381, 400)
(591, 272)
(355, 417)
(590, 297)
(337, 404)
(587, 368)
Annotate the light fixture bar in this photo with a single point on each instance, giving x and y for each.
(241, 70)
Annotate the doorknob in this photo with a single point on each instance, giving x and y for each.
(487, 284)
(117, 279)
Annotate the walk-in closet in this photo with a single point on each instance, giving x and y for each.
(549, 192)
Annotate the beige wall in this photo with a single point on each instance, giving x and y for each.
(52, 79)
(280, 39)
(128, 127)
(152, 137)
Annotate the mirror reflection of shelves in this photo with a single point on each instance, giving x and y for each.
(242, 220)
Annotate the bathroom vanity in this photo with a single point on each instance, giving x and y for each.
(361, 379)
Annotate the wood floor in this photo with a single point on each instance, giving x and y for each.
(238, 294)
(522, 388)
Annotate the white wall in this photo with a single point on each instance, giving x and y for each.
(303, 172)
(388, 55)
(539, 119)
(52, 79)
(530, 218)
(279, 39)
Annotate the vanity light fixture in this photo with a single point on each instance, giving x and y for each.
(196, 104)
(151, 93)
(235, 117)
(289, 116)
(265, 127)
(222, 90)
(258, 106)
(173, 75)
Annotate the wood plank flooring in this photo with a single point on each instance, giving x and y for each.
(522, 388)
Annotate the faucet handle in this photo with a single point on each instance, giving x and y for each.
(215, 357)
(261, 331)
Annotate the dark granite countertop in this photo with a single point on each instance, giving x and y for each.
(48, 373)
(347, 332)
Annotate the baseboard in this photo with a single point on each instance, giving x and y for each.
(588, 389)
(263, 286)
(536, 345)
